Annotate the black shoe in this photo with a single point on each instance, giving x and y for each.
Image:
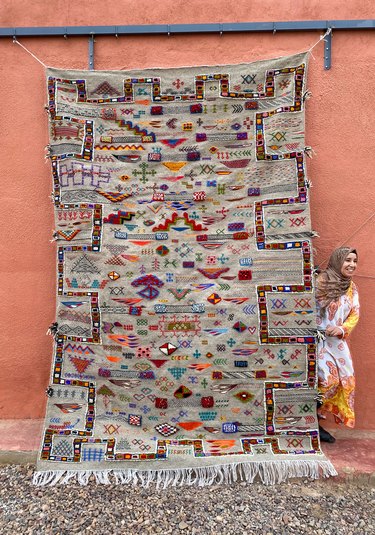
(325, 436)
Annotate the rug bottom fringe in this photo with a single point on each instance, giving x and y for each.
(268, 472)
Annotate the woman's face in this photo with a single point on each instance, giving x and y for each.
(349, 265)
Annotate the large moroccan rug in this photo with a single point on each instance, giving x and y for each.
(185, 329)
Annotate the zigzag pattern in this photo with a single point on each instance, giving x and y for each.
(135, 129)
(191, 223)
(82, 350)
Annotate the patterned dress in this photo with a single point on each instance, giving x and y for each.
(335, 367)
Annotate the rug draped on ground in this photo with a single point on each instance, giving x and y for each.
(185, 335)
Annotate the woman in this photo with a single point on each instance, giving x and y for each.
(338, 313)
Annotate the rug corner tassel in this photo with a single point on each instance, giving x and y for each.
(309, 151)
(53, 329)
(307, 95)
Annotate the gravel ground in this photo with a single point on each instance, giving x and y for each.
(300, 507)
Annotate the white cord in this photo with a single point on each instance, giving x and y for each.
(321, 39)
(27, 50)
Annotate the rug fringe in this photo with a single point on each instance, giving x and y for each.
(269, 473)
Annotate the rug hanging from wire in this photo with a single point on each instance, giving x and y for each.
(185, 329)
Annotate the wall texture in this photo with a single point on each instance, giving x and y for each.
(340, 121)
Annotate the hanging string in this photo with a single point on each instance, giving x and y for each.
(321, 39)
(349, 238)
(28, 51)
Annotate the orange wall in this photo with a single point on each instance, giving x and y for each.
(340, 127)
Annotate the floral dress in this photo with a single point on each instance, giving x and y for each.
(336, 379)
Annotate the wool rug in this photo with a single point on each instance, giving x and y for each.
(185, 334)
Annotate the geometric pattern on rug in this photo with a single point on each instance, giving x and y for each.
(185, 328)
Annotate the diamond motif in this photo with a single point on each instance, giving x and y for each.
(166, 430)
(214, 299)
(113, 275)
(162, 250)
(305, 408)
(244, 396)
(182, 392)
(167, 348)
(239, 327)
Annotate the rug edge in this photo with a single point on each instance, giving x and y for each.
(267, 472)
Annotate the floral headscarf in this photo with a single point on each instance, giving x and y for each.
(331, 283)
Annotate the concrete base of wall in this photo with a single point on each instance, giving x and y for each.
(18, 457)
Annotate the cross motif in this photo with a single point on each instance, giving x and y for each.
(297, 221)
(275, 223)
(296, 354)
(278, 303)
(207, 169)
(204, 383)
(144, 172)
(223, 212)
(281, 354)
(178, 83)
(278, 136)
(248, 78)
(248, 123)
(139, 214)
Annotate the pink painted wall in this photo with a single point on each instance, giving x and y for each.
(340, 127)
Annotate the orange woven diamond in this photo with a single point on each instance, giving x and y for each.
(214, 298)
(113, 275)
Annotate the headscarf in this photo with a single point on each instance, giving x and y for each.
(332, 284)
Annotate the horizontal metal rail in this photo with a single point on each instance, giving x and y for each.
(169, 29)
(177, 29)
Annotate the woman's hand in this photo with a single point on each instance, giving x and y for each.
(334, 330)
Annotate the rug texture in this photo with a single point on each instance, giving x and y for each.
(185, 330)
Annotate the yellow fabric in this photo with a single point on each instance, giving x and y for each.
(352, 320)
(339, 404)
(335, 366)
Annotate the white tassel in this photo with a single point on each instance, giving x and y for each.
(307, 95)
(309, 151)
(53, 329)
(320, 335)
(269, 472)
(55, 237)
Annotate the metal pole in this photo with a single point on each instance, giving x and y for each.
(91, 52)
(328, 51)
